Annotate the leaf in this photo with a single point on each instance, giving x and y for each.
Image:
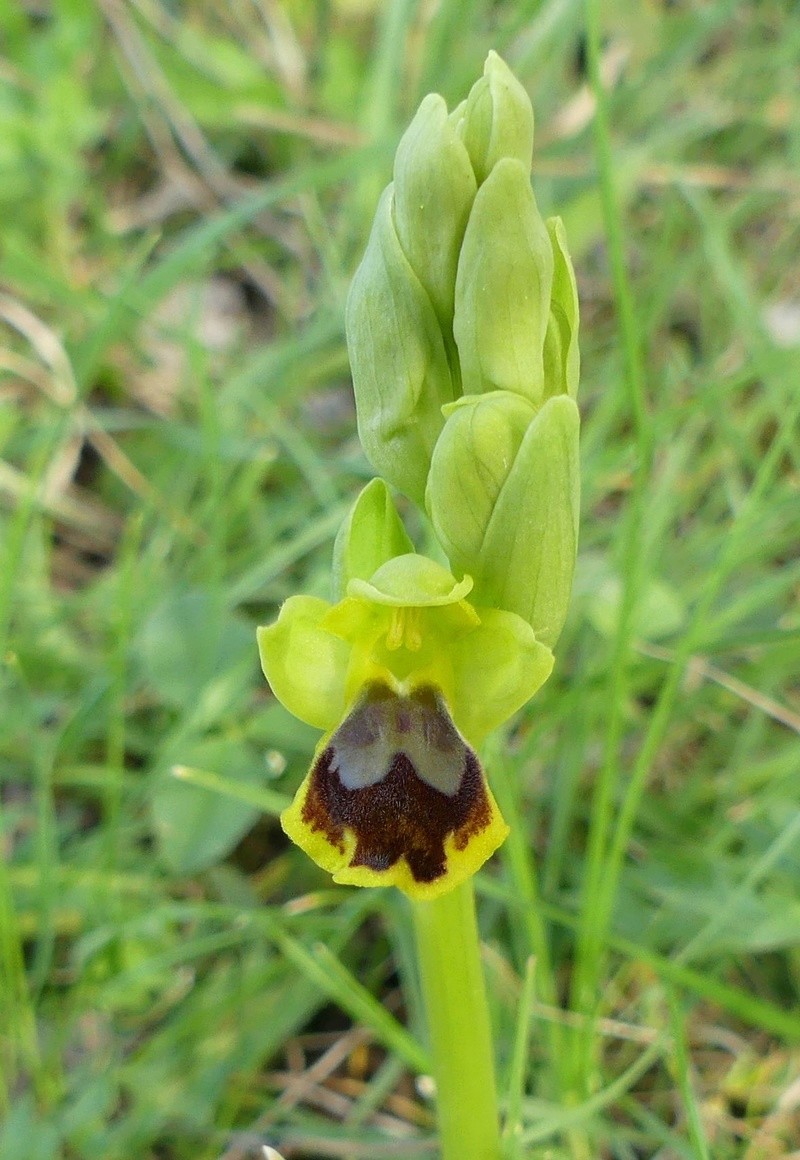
(192, 651)
(660, 613)
(197, 827)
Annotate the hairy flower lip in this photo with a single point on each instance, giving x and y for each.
(396, 796)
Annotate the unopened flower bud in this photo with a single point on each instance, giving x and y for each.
(496, 120)
(480, 440)
(503, 495)
(562, 363)
(503, 287)
(400, 369)
(434, 187)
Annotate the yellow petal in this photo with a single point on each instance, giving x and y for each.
(411, 581)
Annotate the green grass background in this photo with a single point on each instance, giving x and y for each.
(185, 190)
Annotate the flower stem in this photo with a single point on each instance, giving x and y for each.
(458, 1023)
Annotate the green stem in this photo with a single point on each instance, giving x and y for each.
(458, 1023)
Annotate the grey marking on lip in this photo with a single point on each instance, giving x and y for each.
(384, 724)
(398, 776)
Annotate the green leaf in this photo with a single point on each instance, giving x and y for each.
(194, 652)
(195, 826)
(660, 612)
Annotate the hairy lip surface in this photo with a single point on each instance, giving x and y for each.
(400, 777)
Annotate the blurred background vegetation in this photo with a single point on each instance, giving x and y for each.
(185, 190)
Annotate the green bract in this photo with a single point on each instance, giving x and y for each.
(562, 362)
(434, 187)
(503, 286)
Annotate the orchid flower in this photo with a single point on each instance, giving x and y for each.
(406, 677)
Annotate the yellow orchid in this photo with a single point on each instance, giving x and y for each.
(406, 677)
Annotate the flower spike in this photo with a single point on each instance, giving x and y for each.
(462, 331)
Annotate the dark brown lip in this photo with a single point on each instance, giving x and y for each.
(400, 813)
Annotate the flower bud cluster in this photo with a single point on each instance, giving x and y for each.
(462, 327)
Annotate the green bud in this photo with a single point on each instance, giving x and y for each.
(562, 363)
(481, 438)
(371, 534)
(497, 120)
(503, 287)
(503, 495)
(400, 370)
(434, 187)
(457, 116)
